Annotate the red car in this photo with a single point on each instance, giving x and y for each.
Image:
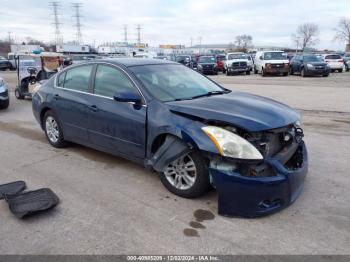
(220, 62)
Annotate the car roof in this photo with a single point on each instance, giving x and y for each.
(127, 62)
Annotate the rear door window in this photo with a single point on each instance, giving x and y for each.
(78, 78)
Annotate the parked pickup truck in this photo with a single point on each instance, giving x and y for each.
(236, 63)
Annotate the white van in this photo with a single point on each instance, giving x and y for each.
(271, 62)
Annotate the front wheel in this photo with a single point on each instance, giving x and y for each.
(187, 177)
(53, 130)
(18, 94)
(263, 72)
(302, 73)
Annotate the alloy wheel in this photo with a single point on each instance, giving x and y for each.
(181, 173)
(52, 130)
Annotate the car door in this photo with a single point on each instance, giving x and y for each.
(70, 100)
(296, 64)
(118, 127)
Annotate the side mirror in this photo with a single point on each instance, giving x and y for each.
(261, 58)
(128, 97)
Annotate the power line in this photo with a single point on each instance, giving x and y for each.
(55, 8)
(78, 25)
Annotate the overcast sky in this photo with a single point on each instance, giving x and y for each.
(270, 22)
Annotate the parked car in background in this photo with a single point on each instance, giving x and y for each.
(4, 95)
(335, 62)
(250, 62)
(271, 62)
(236, 63)
(185, 60)
(188, 128)
(308, 65)
(207, 65)
(5, 64)
(220, 62)
(346, 59)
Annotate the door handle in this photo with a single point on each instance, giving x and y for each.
(93, 108)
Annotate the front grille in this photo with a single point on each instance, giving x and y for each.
(319, 67)
(277, 65)
(271, 142)
(239, 64)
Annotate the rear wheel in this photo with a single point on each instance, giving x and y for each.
(248, 72)
(187, 177)
(326, 75)
(340, 70)
(53, 130)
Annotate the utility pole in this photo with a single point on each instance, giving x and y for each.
(55, 8)
(77, 16)
(138, 28)
(9, 37)
(125, 27)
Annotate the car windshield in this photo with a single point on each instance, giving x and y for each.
(237, 56)
(206, 59)
(312, 58)
(275, 56)
(182, 59)
(174, 82)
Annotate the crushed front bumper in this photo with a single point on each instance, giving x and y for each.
(258, 196)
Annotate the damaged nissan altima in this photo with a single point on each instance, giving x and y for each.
(195, 133)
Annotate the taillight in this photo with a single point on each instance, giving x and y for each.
(341, 60)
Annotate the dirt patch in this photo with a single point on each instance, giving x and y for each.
(189, 232)
(202, 215)
(196, 224)
(24, 132)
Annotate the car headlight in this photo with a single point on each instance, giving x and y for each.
(231, 145)
(199, 66)
(310, 66)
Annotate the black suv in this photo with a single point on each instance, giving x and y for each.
(185, 60)
(207, 65)
(308, 65)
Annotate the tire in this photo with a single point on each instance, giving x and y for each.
(347, 69)
(52, 125)
(255, 71)
(227, 73)
(263, 72)
(302, 72)
(247, 73)
(18, 94)
(285, 74)
(224, 71)
(291, 72)
(5, 104)
(201, 183)
(340, 70)
(326, 75)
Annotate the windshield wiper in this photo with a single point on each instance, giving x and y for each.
(210, 93)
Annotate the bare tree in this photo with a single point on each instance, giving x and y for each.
(243, 42)
(343, 30)
(306, 35)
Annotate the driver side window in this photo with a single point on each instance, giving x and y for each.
(108, 80)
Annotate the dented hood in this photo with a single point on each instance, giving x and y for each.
(247, 111)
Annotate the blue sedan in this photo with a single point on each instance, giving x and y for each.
(195, 133)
